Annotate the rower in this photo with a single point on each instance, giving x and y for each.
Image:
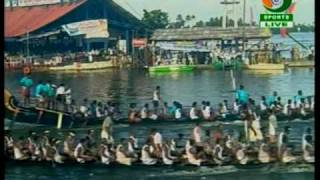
(254, 129)
(263, 104)
(236, 107)
(121, 155)
(298, 97)
(48, 151)
(207, 112)
(146, 155)
(79, 153)
(285, 155)
(196, 134)
(19, 152)
(273, 125)
(106, 134)
(8, 141)
(167, 159)
(203, 106)
(272, 99)
(178, 111)
(307, 147)
(99, 110)
(263, 155)
(242, 95)
(282, 138)
(58, 158)
(191, 153)
(60, 95)
(34, 147)
(144, 113)
(84, 108)
(156, 98)
(105, 152)
(287, 108)
(134, 141)
(218, 134)
(131, 149)
(26, 84)
(39, 93)
(301, 107)
(193, 112)
(133, 116)
(51, 95)
(91, 138)
(223, 111)
(241, 156)
(217, 153)
(157, 141)
(69, 145)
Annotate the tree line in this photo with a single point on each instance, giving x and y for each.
(157, 19)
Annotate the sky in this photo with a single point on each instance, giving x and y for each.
(204, 9)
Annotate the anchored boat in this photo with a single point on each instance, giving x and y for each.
(171, 68)
(265, 66)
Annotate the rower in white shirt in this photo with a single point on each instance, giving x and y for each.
(193, 112)
(196, 134)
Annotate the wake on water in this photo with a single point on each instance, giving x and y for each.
(207, 171)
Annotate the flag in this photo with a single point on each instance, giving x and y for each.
(292, 8)
(283, 32)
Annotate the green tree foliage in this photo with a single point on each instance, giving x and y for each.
(296, 28)
(155, 19)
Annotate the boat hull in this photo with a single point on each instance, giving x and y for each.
(171, 68)
(40, 116)
(84, 66)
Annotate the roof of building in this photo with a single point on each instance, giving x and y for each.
(21, 20)
(205, 33)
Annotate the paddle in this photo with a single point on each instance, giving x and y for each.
(14, 119)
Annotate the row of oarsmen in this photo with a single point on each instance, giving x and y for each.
(216, 147)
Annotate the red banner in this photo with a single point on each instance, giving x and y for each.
(142, 42)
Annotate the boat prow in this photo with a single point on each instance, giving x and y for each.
(42, 116)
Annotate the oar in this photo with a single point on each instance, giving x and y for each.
(14, 119)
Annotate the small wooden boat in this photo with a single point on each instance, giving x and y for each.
(265, 66)
(171, 68)
(42, 116)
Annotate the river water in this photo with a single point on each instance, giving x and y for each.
(126, 86)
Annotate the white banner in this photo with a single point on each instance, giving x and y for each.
(91, 28)
(31, 2)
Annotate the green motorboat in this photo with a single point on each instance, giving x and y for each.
(171, 68)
